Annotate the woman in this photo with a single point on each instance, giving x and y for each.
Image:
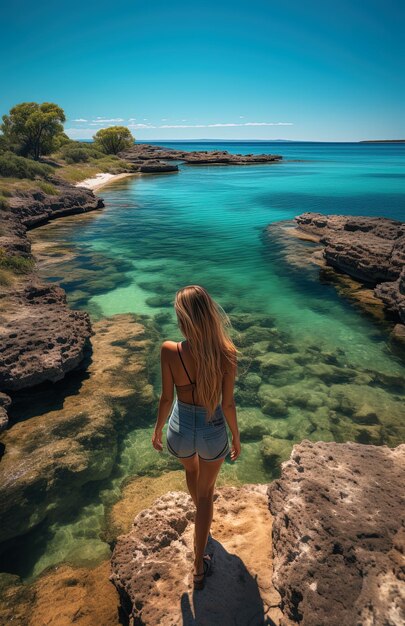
(203, 370)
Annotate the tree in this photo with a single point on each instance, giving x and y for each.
(33, 129)
(114, 139)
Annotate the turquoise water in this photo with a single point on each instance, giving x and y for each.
(204, 225)
(312, 363)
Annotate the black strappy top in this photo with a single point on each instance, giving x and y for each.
(192, 385)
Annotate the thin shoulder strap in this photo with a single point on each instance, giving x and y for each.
(178, 350)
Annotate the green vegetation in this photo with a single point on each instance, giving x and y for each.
(15, 166)
(78, 152)
(114, 139)
(32, 132)
(3, 202)
(32, 129)
(47, 188)
(11, 264)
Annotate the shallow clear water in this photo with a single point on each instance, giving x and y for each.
(204, 225)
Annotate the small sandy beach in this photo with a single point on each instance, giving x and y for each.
(102, 179)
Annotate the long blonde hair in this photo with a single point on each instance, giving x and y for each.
(204, 323)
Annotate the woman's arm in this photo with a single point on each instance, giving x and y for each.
(166, 396)
(229, 409)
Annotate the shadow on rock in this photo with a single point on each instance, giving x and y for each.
(231, 595)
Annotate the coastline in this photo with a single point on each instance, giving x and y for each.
(102, 179)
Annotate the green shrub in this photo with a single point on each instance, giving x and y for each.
(20, 167)
(3, 202)
(80, 152)
(48, 188)
(15, 262)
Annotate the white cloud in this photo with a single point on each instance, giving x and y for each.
(164, 119)
(102, 120)
(80, 119)
(132, 119)
(241, 117)
(142, 126)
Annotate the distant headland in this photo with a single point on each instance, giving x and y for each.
(382, 141)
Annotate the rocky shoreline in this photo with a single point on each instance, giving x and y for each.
(151, 158)
(336, 539)
(41, 337)
(371, 250)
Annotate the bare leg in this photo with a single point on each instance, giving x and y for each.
(205, 508)
(191, 466)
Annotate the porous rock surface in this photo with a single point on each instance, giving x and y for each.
(152, 565)
(338, 535)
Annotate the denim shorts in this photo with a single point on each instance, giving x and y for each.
(188, 432)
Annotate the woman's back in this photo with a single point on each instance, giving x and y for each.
(184, 374)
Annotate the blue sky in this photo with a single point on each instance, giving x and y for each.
(292, 69)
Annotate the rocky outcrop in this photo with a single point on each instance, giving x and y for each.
(41, 339)
(139, 153)
(371, 250)
(33, 208)
(338, 540)
(152, 565)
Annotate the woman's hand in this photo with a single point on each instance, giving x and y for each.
(157, 440)
(235, 449)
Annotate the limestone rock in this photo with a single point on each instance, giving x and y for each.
(152, 565)
(40, 337)
(338, 542)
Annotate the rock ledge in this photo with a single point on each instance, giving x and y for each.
(337, 535)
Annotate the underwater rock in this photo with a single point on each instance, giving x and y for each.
(253, 425)
(138, 493)
(49, 456)
(61, 596)
(152, 565)
(275, 451)
(338, 542)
